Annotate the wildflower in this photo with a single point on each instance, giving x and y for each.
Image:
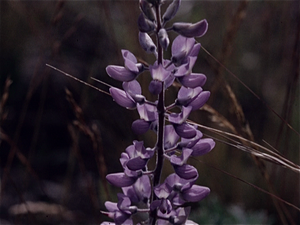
(177, 141)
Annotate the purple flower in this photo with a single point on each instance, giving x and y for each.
(194, 97)
(121, 179)
(138, 156)
(122, 98)
(140, 191)
(128, 73)
(179, 118)
(203, 146)
(191, 30)
(186, 171)
(121, 211)
(185, 130)
(181, 48)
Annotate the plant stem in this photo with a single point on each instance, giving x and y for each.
(161, 120)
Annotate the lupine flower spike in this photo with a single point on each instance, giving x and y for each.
(145, 198)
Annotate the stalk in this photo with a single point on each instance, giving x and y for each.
(161, 120)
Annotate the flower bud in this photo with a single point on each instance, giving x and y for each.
(147, 10)
(163, 38)
(171, 11)
(147, 43)
(191, 30)
(144, 24)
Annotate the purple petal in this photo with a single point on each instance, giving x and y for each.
(191, 30)
(120, 73)
(124, 158)
(121, 217)
(127, 55)
(169, 81)
(187, 95)
(147, 112)
(107, 223)
(120, 179)
(186, 171)
(189, 143)
(182, 70)
(133, 88)
(111, 206)
(158, 72)
(195, 51)
(179, 161)
(185, 130)
(193, 80)
(136, 163)
(143, 187)
(122, 98)
(123, 203)
(181, 47)
(131, 66)
(140, 126)
(170, 137)
(200, 100)
(195, 193)
(203, 146)
(131, 193)
(155, 87)
(179, 118)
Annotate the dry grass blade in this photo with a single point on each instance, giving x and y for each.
(248, 183)
(74, 78)
(4, 98)
(270, 156)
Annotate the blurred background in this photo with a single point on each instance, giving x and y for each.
(59, 138)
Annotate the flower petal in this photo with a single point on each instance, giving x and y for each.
(200, 100)
(187, 95)
(120, 179)
(155, 87)
(195, 193)
(179, 118)
(193, 80)
(136, 163)
(140, 126)
(144, 24)
(122, 98)
(158, 72)
(179, 161)
(127, 55)
(191, 30)
(171, 11)
(120, 73)
(170, 137)
(203, 146)
(186, 171)
(181, 47)
(185, 130)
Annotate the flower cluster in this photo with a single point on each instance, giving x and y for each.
(145, 199)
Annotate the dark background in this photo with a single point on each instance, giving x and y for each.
(56, 151)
